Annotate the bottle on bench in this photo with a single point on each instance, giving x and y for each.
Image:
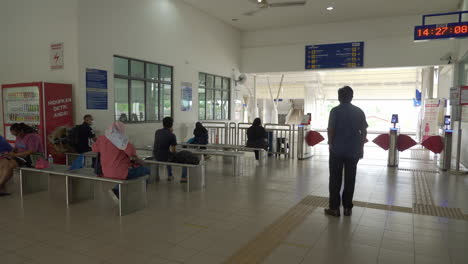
(50, 159)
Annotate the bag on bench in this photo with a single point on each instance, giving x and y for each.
(185, 157)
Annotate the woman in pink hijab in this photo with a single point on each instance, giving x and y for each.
(118, 156)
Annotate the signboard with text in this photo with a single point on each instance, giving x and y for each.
(56, 56)
(330, 56)
(96, 89)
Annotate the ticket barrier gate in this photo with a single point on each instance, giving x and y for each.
(304, 151)
(446, 156)
(393, 153)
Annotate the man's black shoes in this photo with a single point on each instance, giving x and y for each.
(332, 212)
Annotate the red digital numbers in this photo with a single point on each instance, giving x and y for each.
(450, 30)
(440, 31)
(424, 32)
(461, 29)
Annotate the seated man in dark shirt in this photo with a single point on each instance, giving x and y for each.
(84, 134)
(165, 143)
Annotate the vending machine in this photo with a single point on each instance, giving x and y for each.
(46, 106)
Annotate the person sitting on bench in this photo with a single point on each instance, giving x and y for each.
(5, 147)
(27, 143)
(165, 143)
(118, 157)
(257, 136)
(200, 135)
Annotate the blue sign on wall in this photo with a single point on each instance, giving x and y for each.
(329, 56)
(96, 89)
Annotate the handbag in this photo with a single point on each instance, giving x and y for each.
(42, 164)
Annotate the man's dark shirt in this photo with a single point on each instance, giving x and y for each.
(85, 133)
(163, 140)
(348, 122)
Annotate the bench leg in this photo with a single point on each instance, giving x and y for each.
(58, 188)
(238, 164)
(154, 173)
(79, 190)
(195, 179)
(32, 182)
(263, 157)
(132, 197)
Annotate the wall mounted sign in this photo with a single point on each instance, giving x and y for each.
(56, 56)
(329, 56)
(464, 95)
(186, 96)
(96, 89)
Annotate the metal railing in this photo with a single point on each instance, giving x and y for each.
(281, 139)
(232, 134)
(242, 133)
(218, 132)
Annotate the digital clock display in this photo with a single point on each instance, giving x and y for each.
(450, 30)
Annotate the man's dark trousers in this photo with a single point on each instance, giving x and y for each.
(337, 162)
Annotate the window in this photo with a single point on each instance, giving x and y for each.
(214, 95)
(143, 90)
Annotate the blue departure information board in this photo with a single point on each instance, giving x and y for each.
(340, 55)
(96, 89)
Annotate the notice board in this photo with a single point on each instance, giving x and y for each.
(96, 89)
(334, 56)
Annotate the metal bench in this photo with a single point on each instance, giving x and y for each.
(195, 171)
(196, 179)
(88, 156)
(237, 157)
(78, 185)
(262, 152)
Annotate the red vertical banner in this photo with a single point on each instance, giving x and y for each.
(58, 108)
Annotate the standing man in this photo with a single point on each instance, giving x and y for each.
(347, 131)
(85, 135)
(165, 143)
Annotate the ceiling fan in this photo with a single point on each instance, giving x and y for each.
(263, 5)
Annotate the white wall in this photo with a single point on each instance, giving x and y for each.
(388, 43)
(462, 48)
(28, 27)
(162, 31)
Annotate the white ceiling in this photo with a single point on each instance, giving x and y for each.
(314, 12)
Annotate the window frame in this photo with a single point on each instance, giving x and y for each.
(214, 89)
(159, 82)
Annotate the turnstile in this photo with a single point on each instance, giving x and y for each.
(446, 156)
(304, 151)
(393, 154)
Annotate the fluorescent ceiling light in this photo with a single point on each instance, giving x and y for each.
(330, 8)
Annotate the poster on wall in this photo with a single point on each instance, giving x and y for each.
(56, 56)
(58, 119)
(96, 89)
(464, 95)
(186, 96)
(431, 118)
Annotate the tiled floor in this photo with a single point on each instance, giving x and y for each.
(209, 226)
